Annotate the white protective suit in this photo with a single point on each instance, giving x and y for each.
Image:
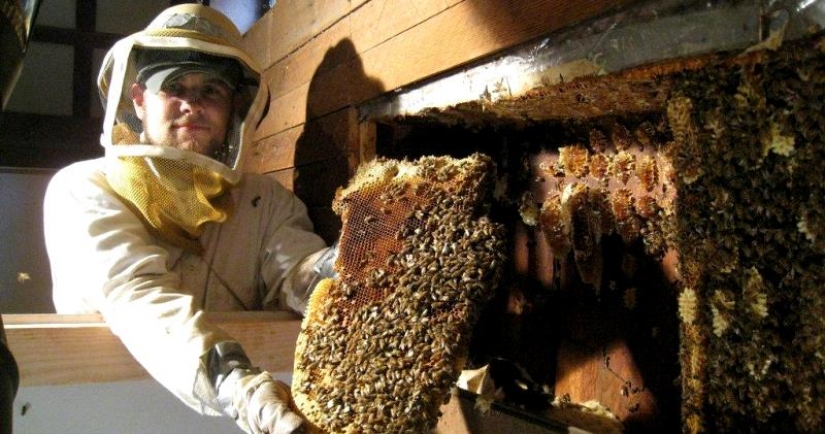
(107, 257)
(100, 249)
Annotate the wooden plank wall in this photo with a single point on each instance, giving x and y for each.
(323, 59)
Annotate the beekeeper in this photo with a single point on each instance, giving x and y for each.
(165, 226)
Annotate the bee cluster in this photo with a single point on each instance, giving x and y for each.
(728, 178)
(749, 137)
(383, 344)
(619, 183)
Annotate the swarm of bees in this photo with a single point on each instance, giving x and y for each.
(734, 185)
(383, 344)
(728, 175)
(748, 152)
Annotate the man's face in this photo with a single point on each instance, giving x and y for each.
(190, 112)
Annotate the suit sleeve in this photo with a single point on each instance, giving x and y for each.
(103, 259)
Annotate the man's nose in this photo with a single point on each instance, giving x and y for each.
(192, 100)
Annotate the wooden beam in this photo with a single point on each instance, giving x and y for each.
(71, 349)
(289, 25)
(333, 136)
(351, 63)
(63, 36)
(374, 23)
(82, 80)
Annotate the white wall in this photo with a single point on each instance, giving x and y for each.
(126, 407)
(133, 407)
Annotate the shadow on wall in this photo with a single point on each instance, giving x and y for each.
(325, 149)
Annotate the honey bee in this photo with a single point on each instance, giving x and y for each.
(654, 240)
(623, 166)
(754, 292)
(620, 137)
(598, 141)
(648, 207)
(648, 172)
(574, 160)
(645, 134)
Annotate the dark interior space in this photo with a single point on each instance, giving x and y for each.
(550, 314)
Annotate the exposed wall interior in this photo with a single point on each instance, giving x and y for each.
(649, 210)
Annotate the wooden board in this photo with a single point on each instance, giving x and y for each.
(71, 349)
(334, 136)
(296, 22)
(354, 60)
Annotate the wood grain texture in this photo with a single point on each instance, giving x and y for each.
(333, 136)
(380, 47)
(296, 22)
(74, 349)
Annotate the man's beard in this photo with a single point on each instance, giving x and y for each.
(208, 146)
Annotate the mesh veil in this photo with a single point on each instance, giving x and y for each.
(176, 191)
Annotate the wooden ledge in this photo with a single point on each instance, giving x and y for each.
(73, 349)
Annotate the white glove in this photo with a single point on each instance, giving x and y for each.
(263, 404)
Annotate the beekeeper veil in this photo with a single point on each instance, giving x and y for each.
(176, 191)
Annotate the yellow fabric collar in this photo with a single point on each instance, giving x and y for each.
(173, 198)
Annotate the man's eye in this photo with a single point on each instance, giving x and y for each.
(210, 91)
(173, 89)
(215, 91)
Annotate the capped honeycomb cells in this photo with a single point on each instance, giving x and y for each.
(555, 227)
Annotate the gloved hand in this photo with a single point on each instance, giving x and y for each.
(325, 265)
(263, 404)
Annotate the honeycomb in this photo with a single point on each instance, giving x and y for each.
(691, 189)
(618, 183)
(384, 342)
(749, 156)
(729, 177)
